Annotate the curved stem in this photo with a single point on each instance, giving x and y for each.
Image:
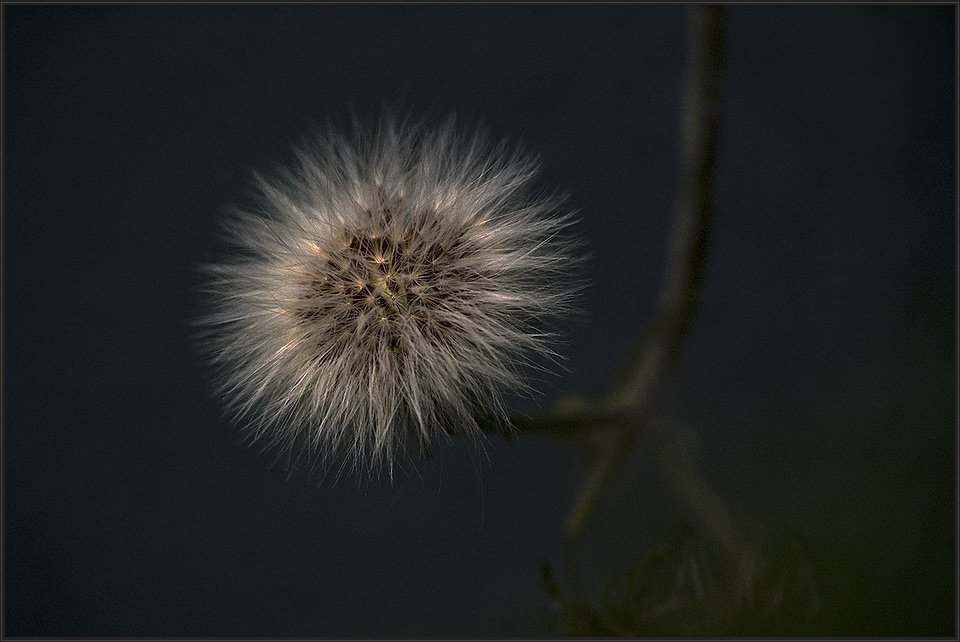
(680, 293)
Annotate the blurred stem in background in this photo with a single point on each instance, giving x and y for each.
(715, 576)
(629, 408)
(636, 395)
(718, 576)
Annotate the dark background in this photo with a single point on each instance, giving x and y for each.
(820, 376)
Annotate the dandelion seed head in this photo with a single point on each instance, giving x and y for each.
(386, 288)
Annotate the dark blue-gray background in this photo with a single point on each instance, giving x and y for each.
(819, 377)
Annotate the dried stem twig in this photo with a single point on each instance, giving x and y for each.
(630, 405)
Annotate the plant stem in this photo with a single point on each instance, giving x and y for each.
(681, 289)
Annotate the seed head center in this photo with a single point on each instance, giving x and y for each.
(370, 272)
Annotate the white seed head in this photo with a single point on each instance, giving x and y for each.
(385, 289)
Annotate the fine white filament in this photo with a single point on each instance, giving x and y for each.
(385, 288)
